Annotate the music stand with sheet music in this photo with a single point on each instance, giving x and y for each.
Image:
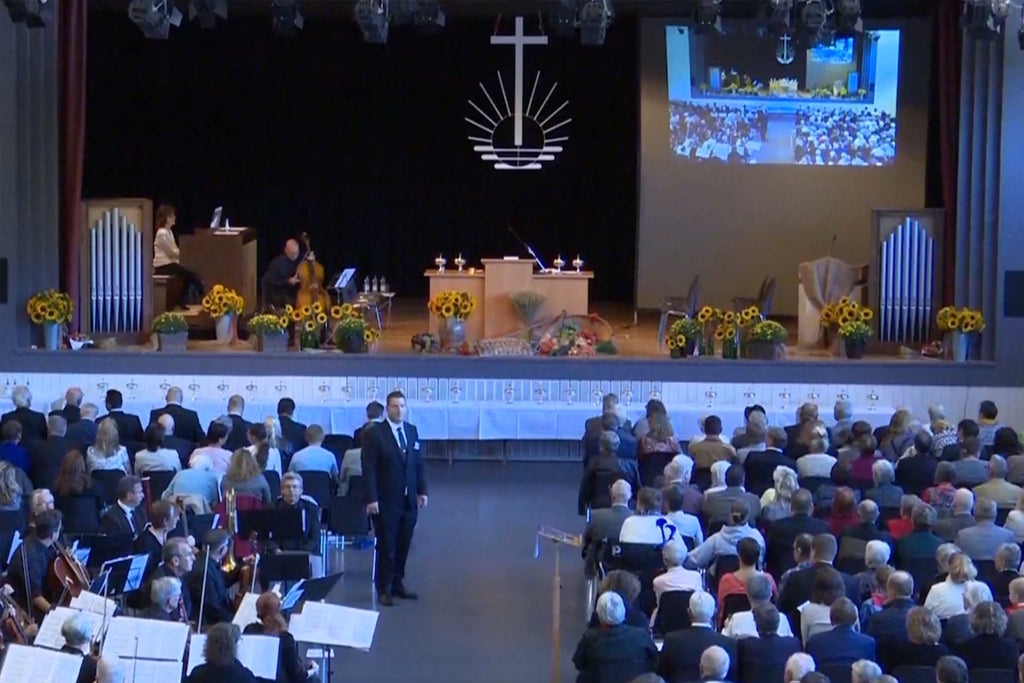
(317, 590)
(559, 538)
(270, 524)
(126, 573)
(288, 566)
(103, 548)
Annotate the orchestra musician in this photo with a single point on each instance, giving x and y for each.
(291, 498)
(218, 606)
(167, 257)
(77, 634)
(164, 600)
(31, 562)
(281, 281)
(272, 623)
(164, 514)
(178, 560)
(127, 516)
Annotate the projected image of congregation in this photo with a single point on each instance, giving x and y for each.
(738, 99)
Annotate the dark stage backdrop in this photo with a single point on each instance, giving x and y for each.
(365, 146)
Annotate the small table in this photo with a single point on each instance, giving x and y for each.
(374, 302)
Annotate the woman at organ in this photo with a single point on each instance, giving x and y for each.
(167, 257)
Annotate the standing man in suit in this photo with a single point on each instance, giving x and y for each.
(33, 423)
(186, 421)
(294, 433)
(129, 427)
(606, 523)
(46, 456)
(127, 515)
(72, 410)
(84, 431)
(395, 491)
(239, 435)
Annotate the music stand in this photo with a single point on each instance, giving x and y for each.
(200, 525)
(270, 524)
(104, 548)
(317, 590)
(285, 565)
(559, 538)
(126, 573)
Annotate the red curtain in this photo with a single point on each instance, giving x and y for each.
(949, 48)
(71, 35)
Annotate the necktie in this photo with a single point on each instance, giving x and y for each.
(402, 443)
(131, 522)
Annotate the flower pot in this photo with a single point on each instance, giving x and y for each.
(707, 347)
(730, 349)
(761, 350)
(854, 348)
(309, 339)
(960, 346)
(690, 349)
(51, 336)
(353, 345)
(174, 342)
(453, 333)
(272, 343)
(225, 326)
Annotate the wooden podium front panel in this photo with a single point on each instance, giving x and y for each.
(567, 291)
(459, 282)
(225, 258)
(501, 278)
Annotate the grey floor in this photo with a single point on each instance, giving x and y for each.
(484, 612)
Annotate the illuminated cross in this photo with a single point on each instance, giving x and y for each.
(519, 40)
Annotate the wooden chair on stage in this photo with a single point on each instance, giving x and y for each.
(678, 307)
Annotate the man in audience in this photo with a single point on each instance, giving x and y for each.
(760, 465)
(680, 655)
(744, 624)
(46, 456)
(783, 532)
(921, 542)
(186, 421)
(238, 437)
(175, 443)
(611, 422)
(606, 523)
(164, 599)
(614, 649)
(800, 583)
(33, 423)
(292, 499)
(756, 436)
(677, 473)
(177, 560)
(712, 449)
(647, 525)
(127, 516)
(314, 457)
(889, 626)
(1015, 611)
(801, 558)
(865, 671)
(843, 414)
(718, 504)
(965, 429)
(885, 492)
(84, 431)
(606, 467)
(764, 656)
(981, 541)
(714, 665)
(963, 504)
(374, 413)
(997, 488)
(742, 438)
(843, 644)
(129, 427)
(198, 484)
(808, 412)
(687, 525)
(951, 670)
(1007, 562)
(593, 425)
(676, 576)
(293, 432)
(72, 410)
(987, 422)
(867, 529)
(798, 666)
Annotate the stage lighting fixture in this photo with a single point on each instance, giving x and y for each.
(287, 17)
(154, 17)
(564, 19)
(780, 13)
(709, 16)
(205, 12)
(848, 21)
(34, 13)
(373, 19)
(594, 18)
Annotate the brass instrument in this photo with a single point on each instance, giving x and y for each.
(229, 565)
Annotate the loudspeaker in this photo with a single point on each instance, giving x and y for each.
(1013, 294)
(3, 280)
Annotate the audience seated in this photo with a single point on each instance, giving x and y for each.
(711, 449)
(989, 648)
(865, 671)
(798, 666)
(717, 506)
(843, 514)
(951, 669)
(601, 471)
(957, 629)
(678, 473)
(801, 558)
(676, 576)
(988, 424)
(714, 665)
(876, 554)
(761, 465)
(735, 583)
(841, 644)
(982, 540)
(199, 485)
(1015, 612)
(971, 470)
(606, 523)
(783, 532)
(863, 465)
(314, 457)
(742, 625)
(960, 518)
(687, 525)
(777, 501)
(826, 136)
(815, 614)
(628, 587)
(867, 527)
(921, 647)
(890, 626)
(806, 413)
(1015, 519)
(753, 437)
(643, 425)
(659, 438)
(724, 542)
(915, 472)
(946, 599)
(997, 488)
(681, 652)
(884, 492)
(816, 462)
(1007, 562)
(800, 586)
(942, 495)
(920, 542)
(613, 652)
(647, 525)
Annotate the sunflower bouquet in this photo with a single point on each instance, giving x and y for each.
(223, 301)
(268, 324)
(683, 337)
(50, 306)
(966, 320)
(452, 304)
(727, 332)
(708, 317)
(311, 322)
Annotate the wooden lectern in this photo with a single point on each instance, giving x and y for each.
(223, 256)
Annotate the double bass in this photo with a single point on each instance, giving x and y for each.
(311, 280)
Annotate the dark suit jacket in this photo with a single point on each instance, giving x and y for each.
(781, 536)
(760, 468)
(392, 477)
(33, 424)
(764, 659)
(614, 655)
(70, 413)
(294, 434)
(988, 652)
(916, 544)
(951, 452)
(238, 438)
(114, 521)
(83, 432)
(87, 674)
(219, 606)
(718, 505)
(889, 629)
(210, 673)
(46, 456)
(161, 571)
(627, 446)
(841, 645)
(601, 472)
(129, 427)
(916, 474)
(186, 422)
(680, 655)
(799, 585)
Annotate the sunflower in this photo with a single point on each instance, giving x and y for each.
(347, 309)
(672, 343)
(719, 334)
(310, 326)
(754, 311)
(705, 314)
(730, 331)
(845, 300)
(465, 308)
(296, 316)
(368, 336)
(321, 318)
(447, 310)
(866, 314)
(730, 316)
(36, 317)
(680, 340)
(336, 312)
(968, 326)
(318, 308)
(284, 320)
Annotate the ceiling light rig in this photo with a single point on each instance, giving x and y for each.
(154, 17)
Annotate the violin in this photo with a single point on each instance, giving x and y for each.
(16, 625)
(311, 280)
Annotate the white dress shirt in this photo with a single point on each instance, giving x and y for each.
(161, 460)
(946, 599)
(686, 525)
(128, 513)
(815, 465)
(395, 428)
(642, 529)
(165, 248)
(741, 625)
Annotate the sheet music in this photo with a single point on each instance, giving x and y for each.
(246, 613)
(49, 631)
(90, 602)
(15, 542)
(129, 637)
(149, 671)
(23, 663)
(256, 653)
(324, 624)
(136, 573)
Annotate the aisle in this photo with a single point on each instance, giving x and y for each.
(484, 611)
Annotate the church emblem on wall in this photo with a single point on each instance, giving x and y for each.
(512, 134)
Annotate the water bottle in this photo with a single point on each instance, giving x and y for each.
(366, 284)
(376, 286)
(383, 285)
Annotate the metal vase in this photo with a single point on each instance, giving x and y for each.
(960, 346)
(225, 326)
(453, 333)
(51, 336)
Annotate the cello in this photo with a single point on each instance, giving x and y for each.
(311, 280)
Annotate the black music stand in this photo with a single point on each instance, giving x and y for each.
(318, 589)
(273, 525)
(122, 579)
(200, 525)
(285, 565)
(103, 548)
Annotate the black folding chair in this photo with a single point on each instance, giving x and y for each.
(274, 482)
(319, 486)
(673, 612)
(642, 559)
(338, 444)
(721, 565)
(348, 522)
(733, 603)
(993, 676)
(914, 674)
(652, 466)
(922, 569)
(159, 480)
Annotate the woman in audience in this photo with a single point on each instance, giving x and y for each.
(1007, 444)
(958, 627)
(10, 489)
(943, 434)
(221, 663)
(842, 476)
(163, 518)
(107, 453)
(923, 632)
(815, 615)
(946, 599)
(659, 438)
(775, 501)
(156, 458)
(272, 623)
(1015, 520)
(213, 448)
(844, 512)
(817, 462)
(861, 466)
(643, 425)
(267, 456)
(627, 586)
(904, 524)
(725, 541)
(885, 493)
(245, 476)
(989, 648)
(899, 436)
(941, 495)
(718, 471)
(75, 492)
(735, 583)
(614, 652)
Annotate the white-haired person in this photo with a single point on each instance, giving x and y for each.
(77, 633)
(876, 555)
(798, 666)
(997, 488)
(1015, 519)
(606, 523)
(775, 501)
(165, 598)
(613, 651)
(885, 492)
(957, 628)
(199, 484)
(843, 414)
(718, 472)
(678, 473)
(1007, 561)
(676, 577)
(725, 541)
(946, 598)
(714, 665)
(817, 462)
(961, 516)
(950, 669)
(865, 671)
(680, 653)
(33, 423)
(760, 588)
(797, 445)
(982, 540)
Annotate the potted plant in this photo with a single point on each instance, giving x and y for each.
(765, 338)
(708, 317)
(452, 308)
(961, 327)
(51, 310)
(224, 305)
(353, 334)
(683, 336)
(855, 335)
(172, 331)
(745, 322)
(728, 334)
(269, 332)
(837, 315)
(311, 322)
